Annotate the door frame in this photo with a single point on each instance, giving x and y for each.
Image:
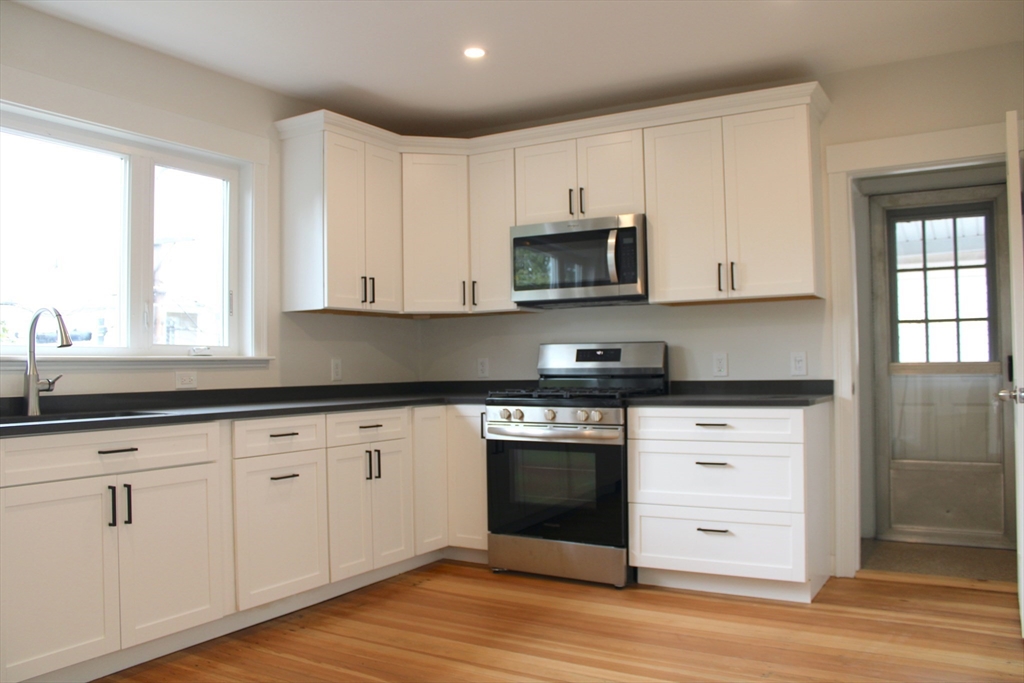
(847, 211)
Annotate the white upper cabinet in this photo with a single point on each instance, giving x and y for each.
(342, 224)
(435, 208)
(601, 175)
(492, 213)
(731, 211)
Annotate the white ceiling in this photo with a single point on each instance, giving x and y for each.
(398, 64)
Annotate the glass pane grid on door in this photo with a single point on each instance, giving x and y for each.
(941, 288)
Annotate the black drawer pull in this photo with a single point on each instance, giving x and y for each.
(119, 450)
(713, 464)
(369, 426)
(713, 531)
(278, 436)
(284, 476)
(712, 424)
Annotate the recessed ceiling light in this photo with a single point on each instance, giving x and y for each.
(474, 52)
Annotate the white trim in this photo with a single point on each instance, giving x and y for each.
(93, 363)
(844, 164)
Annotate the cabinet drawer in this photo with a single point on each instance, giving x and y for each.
(762, 545)
(747, 476)
(784, 425)
(344, 429)
(278, 435)
(34, 459)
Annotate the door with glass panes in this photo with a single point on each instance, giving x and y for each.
(944, 442)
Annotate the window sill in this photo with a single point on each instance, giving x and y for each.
(93, 363)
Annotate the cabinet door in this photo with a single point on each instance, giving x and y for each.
(345, 220)
(59, 601)
(467, 478)
(435, 206)
(610, 174)
(393, 538)
(492, 213)
(170, 551)
(280, 525)
(768, 203)
(430, 477)
(686, 244)
(350, 471)
(384, 229)
(546, 183)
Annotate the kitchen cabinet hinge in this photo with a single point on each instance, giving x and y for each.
(231, 302)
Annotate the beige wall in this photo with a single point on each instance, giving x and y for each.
(923, 95)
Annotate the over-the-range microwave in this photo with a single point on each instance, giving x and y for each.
(586, 262)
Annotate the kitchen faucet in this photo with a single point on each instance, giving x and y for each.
(33, 385)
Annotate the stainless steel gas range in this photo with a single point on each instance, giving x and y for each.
(556, 461)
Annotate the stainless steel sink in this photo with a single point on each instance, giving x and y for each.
(71, 417)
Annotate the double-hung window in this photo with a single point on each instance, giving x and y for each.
(137, 246)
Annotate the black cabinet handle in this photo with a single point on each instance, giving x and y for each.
(582, 210)
(713, 464)
(732, 275)
(284, 476)
(369, 426)
(713, 531)
(378, 464)
(373, 290)
(474, 292)
(278, 436)
(711, 424)
(463, 292)
(482, 416)
(113, 506)
(369, 465)
(720, 277)
(128, 500)
(570, 203)
(118, 450)
(363, 280)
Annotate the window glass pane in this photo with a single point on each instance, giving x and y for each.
(973, 293)
(941, 294)
(910, 295)
(938, 242)
(974, 341)
(909, 245)
(942, 342)
(190, 220)
(970, 241)
(62, 227)
(911, 343)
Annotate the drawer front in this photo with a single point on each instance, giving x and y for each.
(35, 459)
(746, 476)
(278, 435)
(761, 545)
(344, 429)
(783, 425)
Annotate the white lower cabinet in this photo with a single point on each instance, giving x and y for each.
(733, 499)
(430, 477)
(92, 565)
(467, 478)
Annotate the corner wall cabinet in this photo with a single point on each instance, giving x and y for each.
(731, 499)
(110, 556)
(467, 478)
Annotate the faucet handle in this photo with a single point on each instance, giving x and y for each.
(48, 386)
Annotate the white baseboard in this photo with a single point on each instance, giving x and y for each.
(733, 585)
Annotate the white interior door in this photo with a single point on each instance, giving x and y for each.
(1013, 190)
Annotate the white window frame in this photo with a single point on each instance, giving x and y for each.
(247, 179)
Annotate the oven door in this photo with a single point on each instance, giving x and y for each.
(557, 491)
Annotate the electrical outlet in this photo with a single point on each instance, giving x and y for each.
(335, 369)
(186, 379)
(798, 363)
(720, 364)
(483, 367)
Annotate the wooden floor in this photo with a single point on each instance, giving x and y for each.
(457, 622)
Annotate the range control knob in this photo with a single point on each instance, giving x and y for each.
(549, 414)
(505, 413)
(582, 415)
(517, 414)
(596, 415)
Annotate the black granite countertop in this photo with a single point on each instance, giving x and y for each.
(118, 411)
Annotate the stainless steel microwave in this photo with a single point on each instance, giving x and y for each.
(586, 262)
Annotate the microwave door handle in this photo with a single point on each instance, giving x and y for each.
(613, 273)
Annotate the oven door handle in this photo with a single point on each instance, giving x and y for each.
(556, 434)
(613, 272)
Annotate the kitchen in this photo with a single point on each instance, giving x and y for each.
(44, 57)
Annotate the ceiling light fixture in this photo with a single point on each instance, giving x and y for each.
(474, 52)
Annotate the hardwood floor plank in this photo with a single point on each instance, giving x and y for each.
(457, 622)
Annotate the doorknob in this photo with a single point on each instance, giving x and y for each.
(1012, 395)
